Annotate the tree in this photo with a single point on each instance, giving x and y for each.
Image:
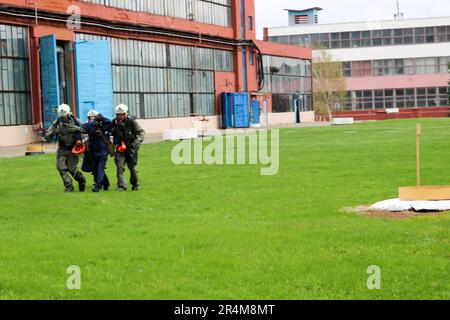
(329, 84)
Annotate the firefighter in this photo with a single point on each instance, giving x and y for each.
(98, 128)
(128, 136)
(68, 131)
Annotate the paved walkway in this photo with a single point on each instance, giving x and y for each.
(19, 151)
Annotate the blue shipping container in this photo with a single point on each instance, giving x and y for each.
(235, 110)
(241, 110)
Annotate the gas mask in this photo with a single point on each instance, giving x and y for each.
(121, 118)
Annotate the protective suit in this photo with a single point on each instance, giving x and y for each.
(128, 136)
(68, 133)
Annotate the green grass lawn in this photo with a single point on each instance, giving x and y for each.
(226, 232)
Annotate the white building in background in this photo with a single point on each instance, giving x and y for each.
(395, 64)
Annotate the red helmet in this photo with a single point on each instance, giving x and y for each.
(122, 148)
(79, 150)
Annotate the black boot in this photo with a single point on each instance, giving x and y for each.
(106, 183)
(81, 181)
(96, 189)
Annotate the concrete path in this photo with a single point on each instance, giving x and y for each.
(19, 151)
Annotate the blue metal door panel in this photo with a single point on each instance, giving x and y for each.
(227, 112)
(241, 112)
(93, 76)
(49, 79)
(256, 112)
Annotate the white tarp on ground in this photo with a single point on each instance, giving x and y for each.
(396, 205)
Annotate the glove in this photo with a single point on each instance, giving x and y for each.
(135, 145)
(52, 132)
(48, 137)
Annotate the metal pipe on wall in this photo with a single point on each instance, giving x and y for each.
(244, 50)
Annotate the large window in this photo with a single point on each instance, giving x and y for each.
(368, 38)
(158, 80)
(362, 68)
(289, 80)
(396, 98)
(15, 99)
(411, 66)
(216, 12)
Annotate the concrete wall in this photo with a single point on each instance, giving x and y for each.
(306, 117)
(153, 126)
(156, 126)
(289, 118)
(17, 135)
(281, 118)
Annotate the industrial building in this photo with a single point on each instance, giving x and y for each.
(393, 69)
(168, 60)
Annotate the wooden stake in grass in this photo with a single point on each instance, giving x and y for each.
(418, 134)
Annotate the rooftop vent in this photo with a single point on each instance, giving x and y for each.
(301, 17)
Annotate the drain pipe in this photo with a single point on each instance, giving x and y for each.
(244, 50)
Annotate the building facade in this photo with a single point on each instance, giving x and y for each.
(396, 68)
(168, 60)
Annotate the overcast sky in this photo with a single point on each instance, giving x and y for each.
(270, 13)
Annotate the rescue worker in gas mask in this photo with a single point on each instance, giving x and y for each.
(67, 130)
(99, 147)
(128, 136)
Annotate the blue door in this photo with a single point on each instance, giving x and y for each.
(256, 112)
(49, 79)
(241, 112)
(227, 112)
(93, 76)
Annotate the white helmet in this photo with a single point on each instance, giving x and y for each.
(92, 113)
(63, 110)
(121, 109)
